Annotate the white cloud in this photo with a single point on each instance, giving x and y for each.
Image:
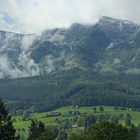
(37, 15)
(3, 24)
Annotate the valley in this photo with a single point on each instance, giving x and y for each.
(66, 79)
(75, 117)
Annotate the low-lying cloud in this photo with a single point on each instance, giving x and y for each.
(38, 15)
(23, 65)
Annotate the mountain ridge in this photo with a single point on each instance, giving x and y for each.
(78, 46)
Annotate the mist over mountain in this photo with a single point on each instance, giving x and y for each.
(110, 45)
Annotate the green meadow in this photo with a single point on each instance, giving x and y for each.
(22, 126)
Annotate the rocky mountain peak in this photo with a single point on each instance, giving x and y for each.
(118, 29)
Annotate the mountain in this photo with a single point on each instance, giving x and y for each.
(118, 29)
(81, 65)
(104, 47)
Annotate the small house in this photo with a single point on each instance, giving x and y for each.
(55, 114)
(74, 126)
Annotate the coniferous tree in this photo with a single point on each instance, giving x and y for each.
(128, 119)
(101, 109)
(36, 129)
(7, 131)
(89, 120)
(95, 109)
(62, 135)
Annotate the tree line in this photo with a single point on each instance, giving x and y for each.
(102, 129)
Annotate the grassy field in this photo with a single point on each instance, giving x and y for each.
(20, 124)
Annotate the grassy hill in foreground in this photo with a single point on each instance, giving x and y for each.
(22, 125)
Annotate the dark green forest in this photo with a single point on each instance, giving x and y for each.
(73, 87)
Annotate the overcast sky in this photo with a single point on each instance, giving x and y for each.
(38, 15)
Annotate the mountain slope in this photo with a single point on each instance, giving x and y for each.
(82, 65)
(72, 87)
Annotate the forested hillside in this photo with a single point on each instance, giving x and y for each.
(73, 87)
